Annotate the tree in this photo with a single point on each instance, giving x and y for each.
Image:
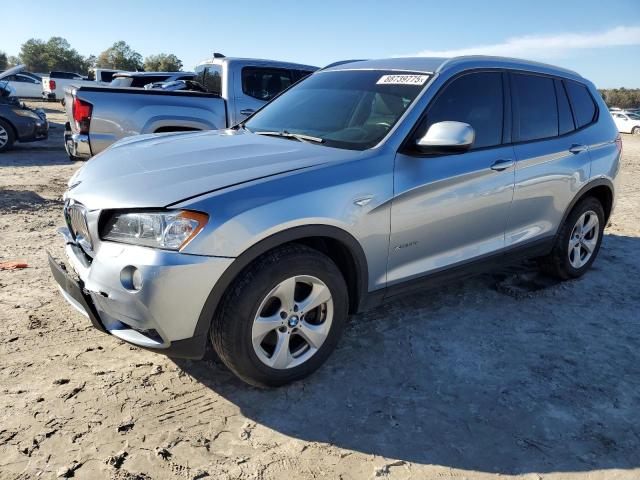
(33, 53)
(4, 61)
(13, 61)
(621, 97)
(54, 54)
(162, 63)
(120, 56)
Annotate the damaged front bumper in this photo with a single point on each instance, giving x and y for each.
(162, 315)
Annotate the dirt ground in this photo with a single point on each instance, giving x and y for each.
(503, 374)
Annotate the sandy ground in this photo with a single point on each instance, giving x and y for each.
(503, 374)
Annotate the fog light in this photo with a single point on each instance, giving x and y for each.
(137, 279)
(131, 278)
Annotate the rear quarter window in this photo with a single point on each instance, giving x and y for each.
(584, 108)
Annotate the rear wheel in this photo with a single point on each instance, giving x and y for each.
(578, 241)
(282, 317)
(6, 136)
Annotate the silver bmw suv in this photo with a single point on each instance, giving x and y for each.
(365, 180)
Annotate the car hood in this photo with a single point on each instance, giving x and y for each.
(153, 171)
(12, 71)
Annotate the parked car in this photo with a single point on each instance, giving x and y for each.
(18, 123)
(235, 88)
(627, 122)
(140, 79)
(363, 181)
(54, 84)
(25, 84)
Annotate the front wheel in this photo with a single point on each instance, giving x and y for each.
(578, 241)
(282, 317)
(636, 130)
(6, 136)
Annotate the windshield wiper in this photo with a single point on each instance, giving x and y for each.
(296, 136)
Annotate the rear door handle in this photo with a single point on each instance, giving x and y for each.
(576, 148)
(247, 111)
(502, 164)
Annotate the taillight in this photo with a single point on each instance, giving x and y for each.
(619, 143)
(52, 84)
(82, 114)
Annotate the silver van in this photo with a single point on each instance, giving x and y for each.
(364, 180)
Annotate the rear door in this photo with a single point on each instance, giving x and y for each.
(450, 209)
(551, 135)
(257, 85)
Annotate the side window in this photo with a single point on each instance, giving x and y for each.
(584, 108)
(565, 118)
(211, 77)
(265, 83)
(476, 99)
(534, 105)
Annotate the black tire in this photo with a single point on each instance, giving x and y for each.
(6, 128)
(636, 131)
(558, 263)
(73, 158)
(232, 326)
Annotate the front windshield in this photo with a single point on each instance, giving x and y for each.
(634, 116)
(351, 109)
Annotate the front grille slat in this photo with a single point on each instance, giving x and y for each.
(75, 215)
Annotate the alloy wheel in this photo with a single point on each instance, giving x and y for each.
(584, 239)
(292, 322)
(4, 136)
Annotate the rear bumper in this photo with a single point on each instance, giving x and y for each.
(162, 315)
(77, 145)
(51, 96)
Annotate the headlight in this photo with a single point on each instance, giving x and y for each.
(27, 113)
(168, 230)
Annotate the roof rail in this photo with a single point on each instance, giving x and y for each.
(342, 62)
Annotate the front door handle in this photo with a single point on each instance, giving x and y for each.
(576, 148)
(247, 111)
(502, 164)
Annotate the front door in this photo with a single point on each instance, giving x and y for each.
(450, 209)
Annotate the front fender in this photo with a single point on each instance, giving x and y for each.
(269, 243)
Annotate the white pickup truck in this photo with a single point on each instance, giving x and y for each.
(54, 84)
(234, 88)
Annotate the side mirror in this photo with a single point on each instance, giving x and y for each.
(446, 137)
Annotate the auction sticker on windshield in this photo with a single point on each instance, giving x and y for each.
(402, 79)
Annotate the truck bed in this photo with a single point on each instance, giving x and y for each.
(119, 112)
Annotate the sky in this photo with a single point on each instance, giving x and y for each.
(598, 39)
